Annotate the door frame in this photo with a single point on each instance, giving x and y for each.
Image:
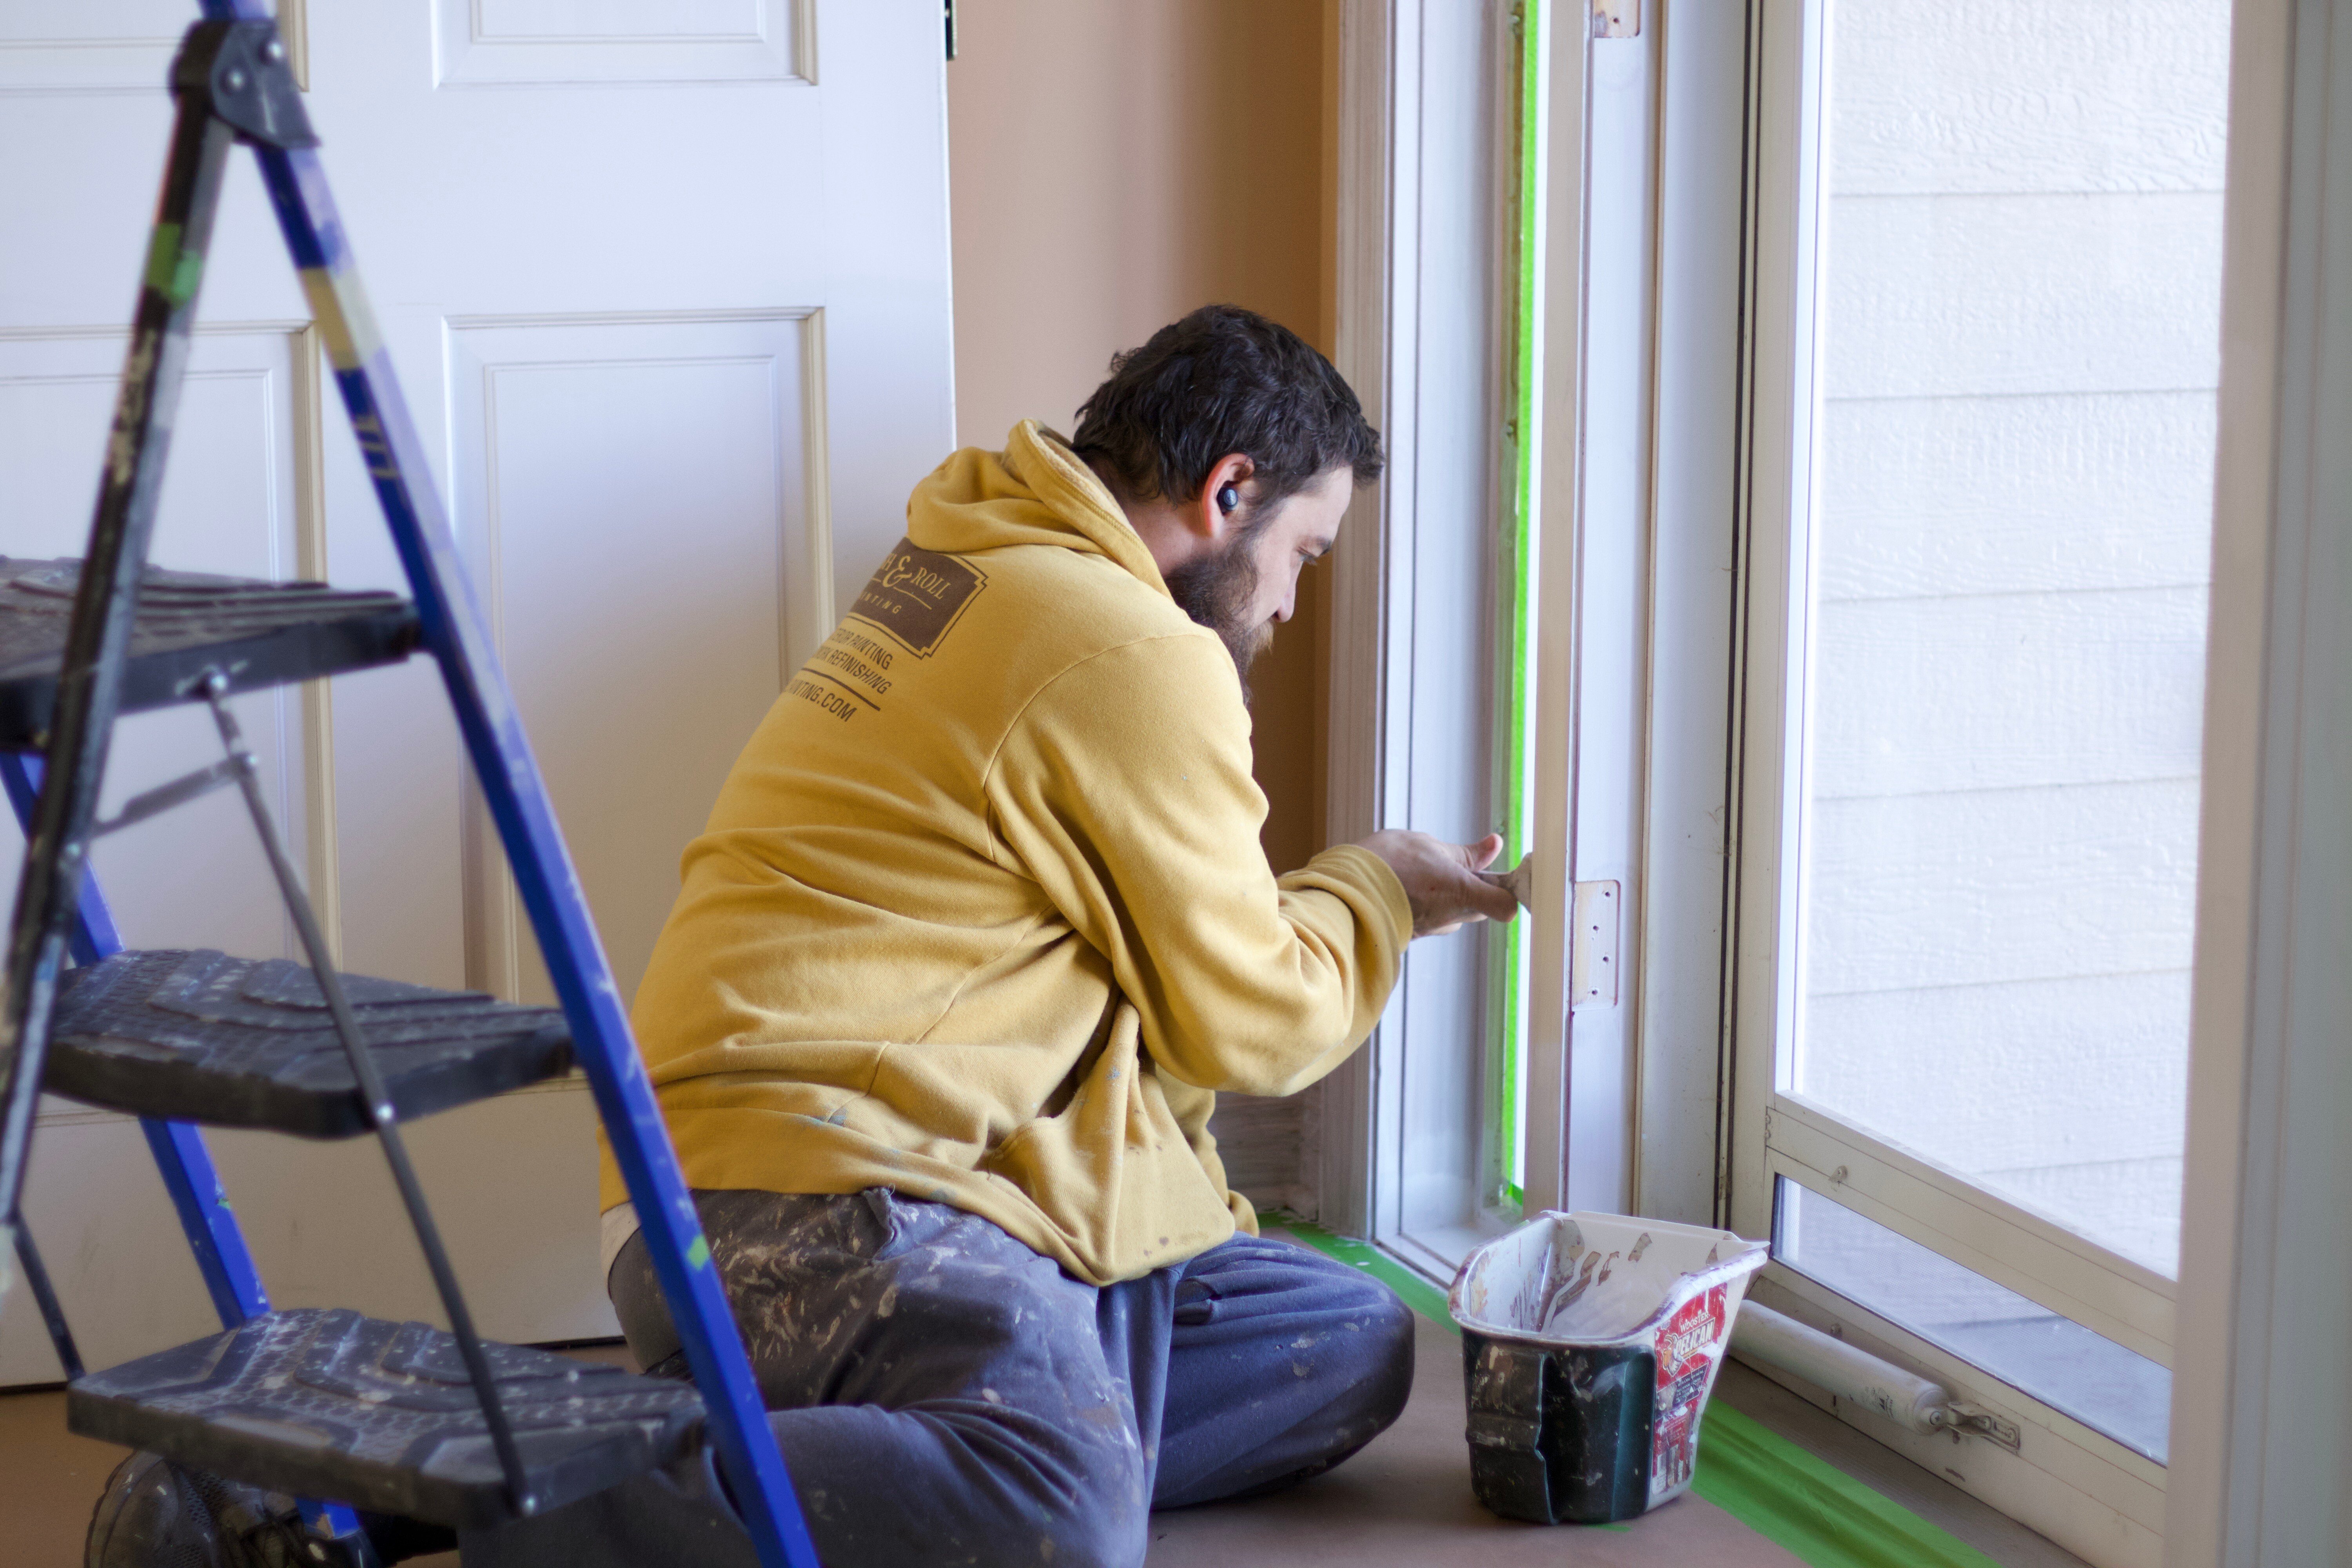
(1399, 139)
(2261, 1439)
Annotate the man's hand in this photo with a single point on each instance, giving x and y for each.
(1442, 881)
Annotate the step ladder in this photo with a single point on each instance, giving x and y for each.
(342, 1411)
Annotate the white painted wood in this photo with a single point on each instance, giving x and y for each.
(1951, 95)
(503, 1179)
(1776, 512)
(2008, 691)
(1962, 889)
(721, 308)
(1939, 1208)
(1604, 689)
(1356, 788)
(2004, 495)
(2068, 1095)
(680, 444)
(124, 47)
(232, 500)
(1444, 536)
(517, 42)
(1412, 640)
(1683, 1079)
(2089, 1494)
(2262, 1408)
(1998, 295)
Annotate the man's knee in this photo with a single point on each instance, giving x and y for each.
(1382, 1379)
(1093, 1513)
(1097, 1533)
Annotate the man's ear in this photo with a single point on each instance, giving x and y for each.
(1217, 510)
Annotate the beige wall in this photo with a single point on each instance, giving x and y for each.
(1114, 163)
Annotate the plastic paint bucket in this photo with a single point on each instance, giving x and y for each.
(1590, 1343)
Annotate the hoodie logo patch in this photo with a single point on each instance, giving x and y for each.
(918, 596)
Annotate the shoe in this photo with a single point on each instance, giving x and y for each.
(155, 1514)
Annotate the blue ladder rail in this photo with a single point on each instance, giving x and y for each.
(455, 633)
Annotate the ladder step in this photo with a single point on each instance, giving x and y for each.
(321, 1402)
(258, 634)
(196, 1035)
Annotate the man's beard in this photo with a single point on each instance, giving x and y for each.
(1216, 591)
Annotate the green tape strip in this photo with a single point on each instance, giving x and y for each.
(1784, 1494)
(1412, 1288)
(699, 1253)
(1808, 1505)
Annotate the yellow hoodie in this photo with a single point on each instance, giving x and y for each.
(981, 915)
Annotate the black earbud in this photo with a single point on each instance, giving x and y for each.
(1228, 498)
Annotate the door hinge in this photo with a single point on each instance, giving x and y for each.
(950, 22)
(1592, 945)
(1616, 18)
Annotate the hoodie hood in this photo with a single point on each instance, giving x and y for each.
(1035, 492)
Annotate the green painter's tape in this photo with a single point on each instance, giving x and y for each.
(1784, 1494)
(699, 1253)
(1812, 1508)
(1412, 1290)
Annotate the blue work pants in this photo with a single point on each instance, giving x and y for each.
(941, 1394)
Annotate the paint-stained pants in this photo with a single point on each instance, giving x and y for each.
(943, 1394)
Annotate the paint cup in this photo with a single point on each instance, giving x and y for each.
(1590, 1343)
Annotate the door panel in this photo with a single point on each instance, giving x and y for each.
(234, 498)
(672, 318)
(635, 499)
(580, 41)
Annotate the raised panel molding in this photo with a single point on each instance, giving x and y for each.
(547, 43)
(641, 499)
(125, 48)
(240, 496)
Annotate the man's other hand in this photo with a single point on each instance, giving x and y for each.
(1442, 881)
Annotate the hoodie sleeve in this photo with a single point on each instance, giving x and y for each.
(1124, 788)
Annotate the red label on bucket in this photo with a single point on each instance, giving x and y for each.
(1688, 1346)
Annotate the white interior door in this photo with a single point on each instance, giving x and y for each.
(667, 286)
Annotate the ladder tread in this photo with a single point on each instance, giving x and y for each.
(322, 1402)
(192, 1035)
(257, 633)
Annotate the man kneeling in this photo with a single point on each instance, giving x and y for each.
(980, 925)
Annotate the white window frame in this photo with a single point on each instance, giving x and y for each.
(2093, 1495)
(2261, 1440)
(1675, 1101)
(1420, 126)
(1409, 732)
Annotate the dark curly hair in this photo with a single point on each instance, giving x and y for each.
(1224, 380)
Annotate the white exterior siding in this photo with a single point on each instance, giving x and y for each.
(2011, 545)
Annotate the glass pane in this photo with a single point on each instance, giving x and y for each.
(2019, 301)
(2055, 1359)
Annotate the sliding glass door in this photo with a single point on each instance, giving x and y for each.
(1986, 287)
